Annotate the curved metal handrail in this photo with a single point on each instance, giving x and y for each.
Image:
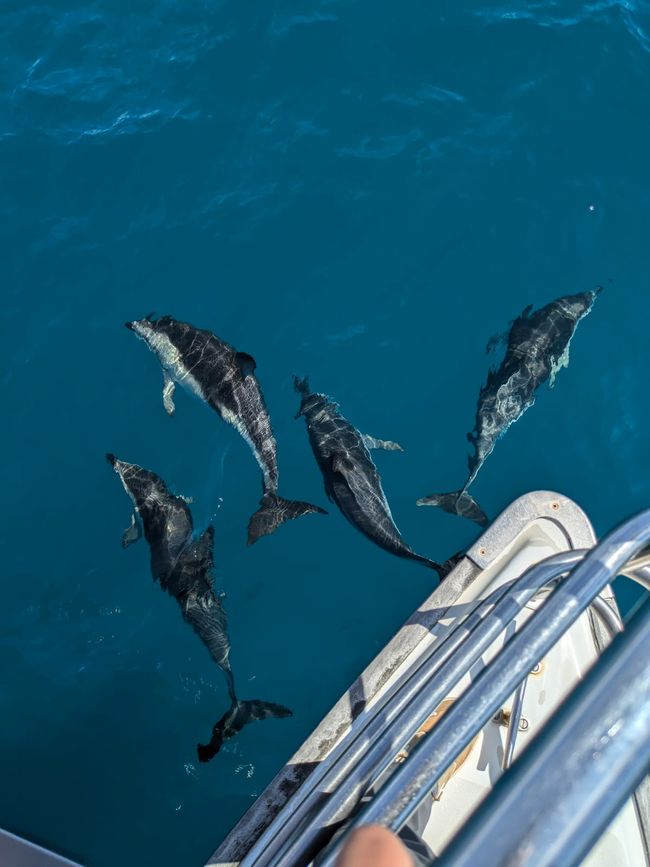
(405, 789)
(424, 691)
(384, 725)
(611, 620)
(296, 817)
(574, 778)
(513, 724)
(609, 617)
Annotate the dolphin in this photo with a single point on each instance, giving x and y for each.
(537, 348)
(224, 379)
(183, 565)
(351, 477)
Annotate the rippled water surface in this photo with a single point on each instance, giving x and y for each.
(363, 192)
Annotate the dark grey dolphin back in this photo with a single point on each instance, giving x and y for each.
(183, 565)
(193, 587)
(544, 334)
(166, 519)
(536, 348)
(224, 378)
(350, 475)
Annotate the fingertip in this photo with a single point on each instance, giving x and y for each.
(374, 846)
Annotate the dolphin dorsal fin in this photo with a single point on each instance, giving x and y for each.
(204, 546)
(246, 363)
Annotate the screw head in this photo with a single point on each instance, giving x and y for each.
(555, 505)
(482, 551)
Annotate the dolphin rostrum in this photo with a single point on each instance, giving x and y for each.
(351, 478)
(537, 348)
(183, 566)
(225, 379)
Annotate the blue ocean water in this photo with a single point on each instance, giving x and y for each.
(363, 192)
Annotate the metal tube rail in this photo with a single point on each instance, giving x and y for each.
(401, 794)
(513, 724)
(572, 781)
(458, 656)
(608, 616)
(348, 751)
(638, 571)
(344, 757)
(613, 625)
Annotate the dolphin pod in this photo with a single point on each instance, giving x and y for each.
(537, 347)
(182, 564)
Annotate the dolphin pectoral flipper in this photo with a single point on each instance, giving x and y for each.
(373, 443)
(132, 533)
(168, 393)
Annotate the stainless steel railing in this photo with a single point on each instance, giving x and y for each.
(571, 782)
(513, 724)
(410, 783)
(353, 765)
(612, 623)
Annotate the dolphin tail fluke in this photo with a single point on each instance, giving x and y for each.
(450, 564)
(239, 715)
(457, 503)
(440, 568)
(275, 510)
